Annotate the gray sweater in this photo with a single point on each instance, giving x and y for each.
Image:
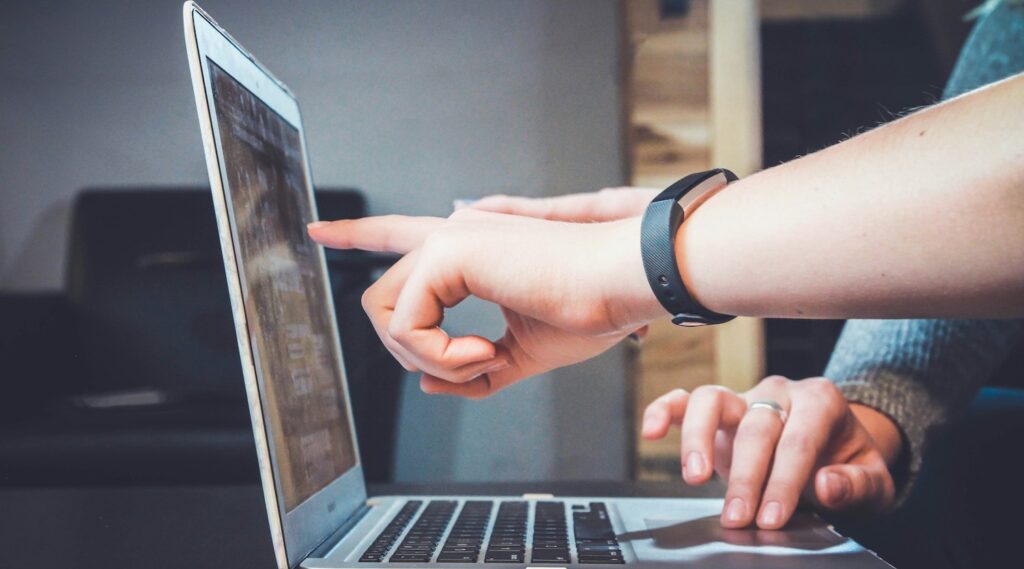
(925, 373)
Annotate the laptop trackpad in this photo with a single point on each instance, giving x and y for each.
(694, 536)
(803, 532)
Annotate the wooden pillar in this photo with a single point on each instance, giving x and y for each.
(692, 100)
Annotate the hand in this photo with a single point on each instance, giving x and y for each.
(608, 204)
(834, 454)
(568, 291)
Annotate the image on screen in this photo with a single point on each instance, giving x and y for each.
(283, 293)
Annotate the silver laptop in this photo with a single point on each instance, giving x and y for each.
(320, 516)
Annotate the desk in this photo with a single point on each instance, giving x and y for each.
(195, 527)
(198, 527)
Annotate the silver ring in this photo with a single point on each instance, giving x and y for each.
(771, 406)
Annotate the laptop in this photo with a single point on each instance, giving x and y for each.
(312, 482)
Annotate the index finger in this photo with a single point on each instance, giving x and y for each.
(384, 233)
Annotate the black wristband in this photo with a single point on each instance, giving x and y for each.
(662, 219)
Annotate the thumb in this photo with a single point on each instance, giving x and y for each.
(515, 366)
(854, 487)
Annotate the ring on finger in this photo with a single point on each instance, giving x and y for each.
(771, 406)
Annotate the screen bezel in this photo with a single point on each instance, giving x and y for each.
(297, 532)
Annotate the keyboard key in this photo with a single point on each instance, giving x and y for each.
(596, 548)
(457, 558)
(409, 558)
(550, 556)
(447, 549)
(596, 542)
(600, 555)
(549, 545)
(503, 557)
(507, 547)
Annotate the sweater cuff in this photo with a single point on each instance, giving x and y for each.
(909, 406)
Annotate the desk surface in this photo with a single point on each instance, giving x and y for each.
(196, 527)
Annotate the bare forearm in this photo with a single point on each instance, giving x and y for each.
(923, 217)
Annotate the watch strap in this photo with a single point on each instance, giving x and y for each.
(661, 221)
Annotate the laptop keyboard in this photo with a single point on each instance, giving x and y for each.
(506, 538)
(463, 543)
(380, 546)
(421, 541)
(550, 537)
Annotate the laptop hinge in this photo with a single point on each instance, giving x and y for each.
(336, 536)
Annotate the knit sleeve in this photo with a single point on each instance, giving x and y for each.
(920, 373)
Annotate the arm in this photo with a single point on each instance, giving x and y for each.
(921, 374)
(922, 217)
(875, 226)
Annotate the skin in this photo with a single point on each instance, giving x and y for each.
(835, 455)
(923, 217)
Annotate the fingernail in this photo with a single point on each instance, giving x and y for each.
(694, 464)
(838, 487)
(462, 202)
(771, 514)
(316, 224)
(649, 423)
(735, 510)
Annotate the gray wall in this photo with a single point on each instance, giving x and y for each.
(417, 103)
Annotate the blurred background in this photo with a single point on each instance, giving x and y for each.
(118, 356)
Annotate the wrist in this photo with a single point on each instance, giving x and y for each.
(882, 430)
(631, 302)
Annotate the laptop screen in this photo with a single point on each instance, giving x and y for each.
(284, 294)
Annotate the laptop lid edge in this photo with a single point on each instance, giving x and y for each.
(293, 535)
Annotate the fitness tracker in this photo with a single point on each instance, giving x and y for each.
(662, 219)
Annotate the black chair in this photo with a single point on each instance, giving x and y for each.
(132, 375)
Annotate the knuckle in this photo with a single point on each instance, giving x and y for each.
(775, 381)
(709, 391)
(798, 443)
(754, 428)
(366, 300)
(822, 389)
(398, 334)
(392, 346)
